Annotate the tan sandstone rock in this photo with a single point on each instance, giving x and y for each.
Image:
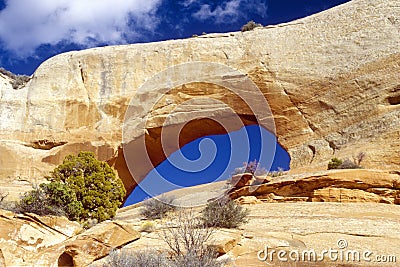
(331, 81)
(358, 185)
(23, 236)
(301, 226)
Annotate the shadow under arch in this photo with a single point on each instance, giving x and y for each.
(65, 260)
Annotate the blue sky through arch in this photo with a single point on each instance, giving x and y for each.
(167, 177)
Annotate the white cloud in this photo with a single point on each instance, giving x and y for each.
(187, 3)
(229, 11)
(27, 24)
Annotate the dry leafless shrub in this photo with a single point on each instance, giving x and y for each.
(186, 239)
(348, 164)
(18, 80)
(252, 167)
(336, 163)
(249, 26)
(7, 205)
(359, 158)
(142, 258)
(224, 213)
(187, 242)
(157, 208)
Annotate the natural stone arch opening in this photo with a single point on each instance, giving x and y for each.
(196, 164)
(235, 112)
(181, 104)
(65, 260)
(190, 132)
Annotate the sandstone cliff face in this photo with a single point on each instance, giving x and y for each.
(331, 81)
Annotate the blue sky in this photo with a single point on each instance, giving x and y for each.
(32, 31)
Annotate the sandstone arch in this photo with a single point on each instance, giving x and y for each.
(331, 80)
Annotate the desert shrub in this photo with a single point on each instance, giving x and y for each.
(143, 258)
(348, 164)
(359, 158)
(7, 205)
(37, 201)
(53, 198)
(208, 258)
(157, 208)
(94, 183)
(186, 246)
(252, 167)
(334, 163)
(10, 205)
(17, 80)
(81, 188)
(249, 26)
(277, 173)
(187, 240)
(224, 213)
(20, 81)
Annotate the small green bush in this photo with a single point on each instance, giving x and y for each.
(95, 184)
(81, 188)
(249, 26)
(157, 208)
(224, 213)
(334, 163)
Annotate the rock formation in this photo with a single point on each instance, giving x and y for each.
(331, 81)
(326, 186)
(31, 240)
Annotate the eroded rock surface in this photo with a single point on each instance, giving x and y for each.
(327, 186)
(301, 222)
(32, 240)
(300, 226)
